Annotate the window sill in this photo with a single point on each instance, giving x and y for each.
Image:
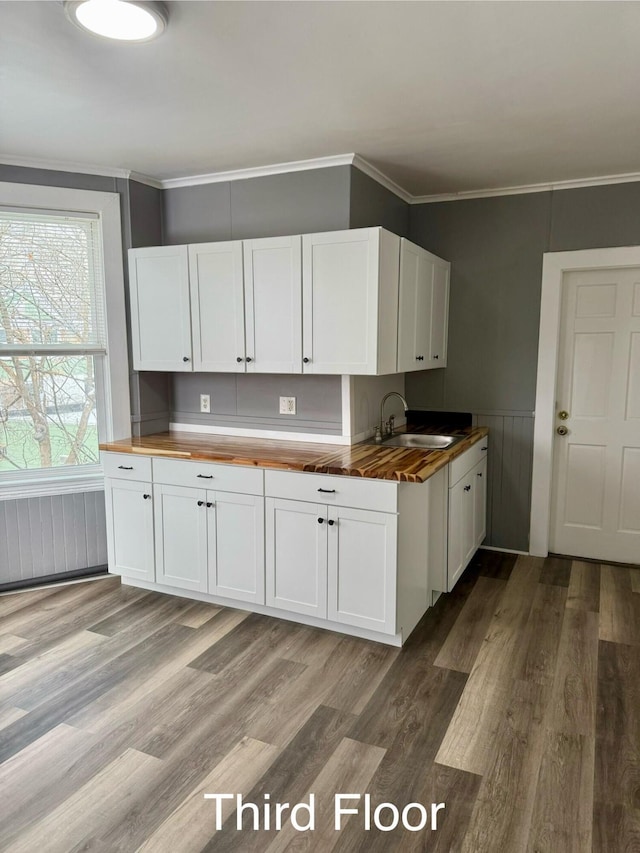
(14, 487)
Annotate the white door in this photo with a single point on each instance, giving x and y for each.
(340, 301)
(479, 489)
(236, 546)
(439, 314)
(414, 319)
(461, 539)
(160, 312)
(596, 470)
(296, 556)
(181, 537)
(129, 509)
(273, 304)
(217, 307)
(362, 568)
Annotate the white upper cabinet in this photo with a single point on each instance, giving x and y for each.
(350, 301)
(217, 307)
(273, 304)
(423, 309)
(160, 313)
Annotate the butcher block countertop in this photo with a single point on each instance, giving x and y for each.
(374, 461)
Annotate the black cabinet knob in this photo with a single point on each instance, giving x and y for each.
(419, 358)
(146, 497)
(479, 473)
(306, 360)
(436, 356)
(209, 504)
(185, 358)
(331, 522)
(484, 448)
(467, 488)
(200, 503)
(248, 358)
(320, 520)
(238, 359)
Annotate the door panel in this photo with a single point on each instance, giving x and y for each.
(236, 546)
(595, 497)
(296, 561)
(217, 306)
(130, 529)
(181, 537)
(439, 315)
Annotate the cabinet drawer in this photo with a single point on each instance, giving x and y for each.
(126, 466)
(467, 460)
(376, 495)
(208, 475)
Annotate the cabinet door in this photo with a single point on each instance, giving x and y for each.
(181, 537)
(273, 304)
(414, 319)
(340, 301)
(461, 540)
(160, 312)
(296, 556)
(362, 568)
(129, 507)
(480, 502)
(217, 307)
(236, 546)
(439, 314)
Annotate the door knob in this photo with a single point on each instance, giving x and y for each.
(563, 415)
(562, 430)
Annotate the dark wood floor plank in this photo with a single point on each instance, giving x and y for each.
(537, 654)
(584, 586)
(615, 829)
(463, 642)
(556, 571)
(619, 607)
(494, 564)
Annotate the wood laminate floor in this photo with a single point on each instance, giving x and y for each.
(516, 702)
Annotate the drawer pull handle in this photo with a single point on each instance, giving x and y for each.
(331, 522)
(205, 476)
(125, 467)
(146, 497)
(467, 488)
(209, 504)
(321, 521)
(328, 491)
(200, 503)
(484, 448)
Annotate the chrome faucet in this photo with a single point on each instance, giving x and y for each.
(386, 429)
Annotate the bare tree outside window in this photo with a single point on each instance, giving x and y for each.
(51, 333)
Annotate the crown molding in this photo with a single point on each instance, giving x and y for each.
(63, 166)
(381, 178)
(145, 179)
(259, 171)
(602, 180)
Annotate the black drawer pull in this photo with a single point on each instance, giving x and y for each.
(328, 491)
(125, 467)
(205, 476)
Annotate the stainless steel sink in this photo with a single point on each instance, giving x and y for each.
(426, 442)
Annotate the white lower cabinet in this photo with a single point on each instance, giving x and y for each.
(362, 568)
(467, 511)
(181, 536)
(129, 508)
(236, 546)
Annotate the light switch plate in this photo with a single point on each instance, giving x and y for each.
(287, 405)
(205, 403)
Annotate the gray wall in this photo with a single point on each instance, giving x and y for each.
(495, 246)
(371, 204)
(251, 400)
(270, 206)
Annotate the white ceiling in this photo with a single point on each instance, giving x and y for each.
(442, 97)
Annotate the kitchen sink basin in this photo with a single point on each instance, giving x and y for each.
(419, 440)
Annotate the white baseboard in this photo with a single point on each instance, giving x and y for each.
(504, 550)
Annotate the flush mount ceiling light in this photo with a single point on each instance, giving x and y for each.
(124, 20)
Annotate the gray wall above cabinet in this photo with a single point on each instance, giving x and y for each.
(251, 400)
(371, 204)
(269, 206)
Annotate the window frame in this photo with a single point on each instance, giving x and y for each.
(112, 370)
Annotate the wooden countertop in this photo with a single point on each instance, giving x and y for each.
(370, 460)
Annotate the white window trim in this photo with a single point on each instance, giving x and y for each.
(115, 420)
(554, 266)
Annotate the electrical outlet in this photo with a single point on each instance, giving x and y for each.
(205, 403)
(287, 405)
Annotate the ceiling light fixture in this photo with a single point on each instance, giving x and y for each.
(124, 20)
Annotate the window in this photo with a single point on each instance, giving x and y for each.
(57, 363)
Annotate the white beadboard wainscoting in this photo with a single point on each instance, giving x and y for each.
(51, 535)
